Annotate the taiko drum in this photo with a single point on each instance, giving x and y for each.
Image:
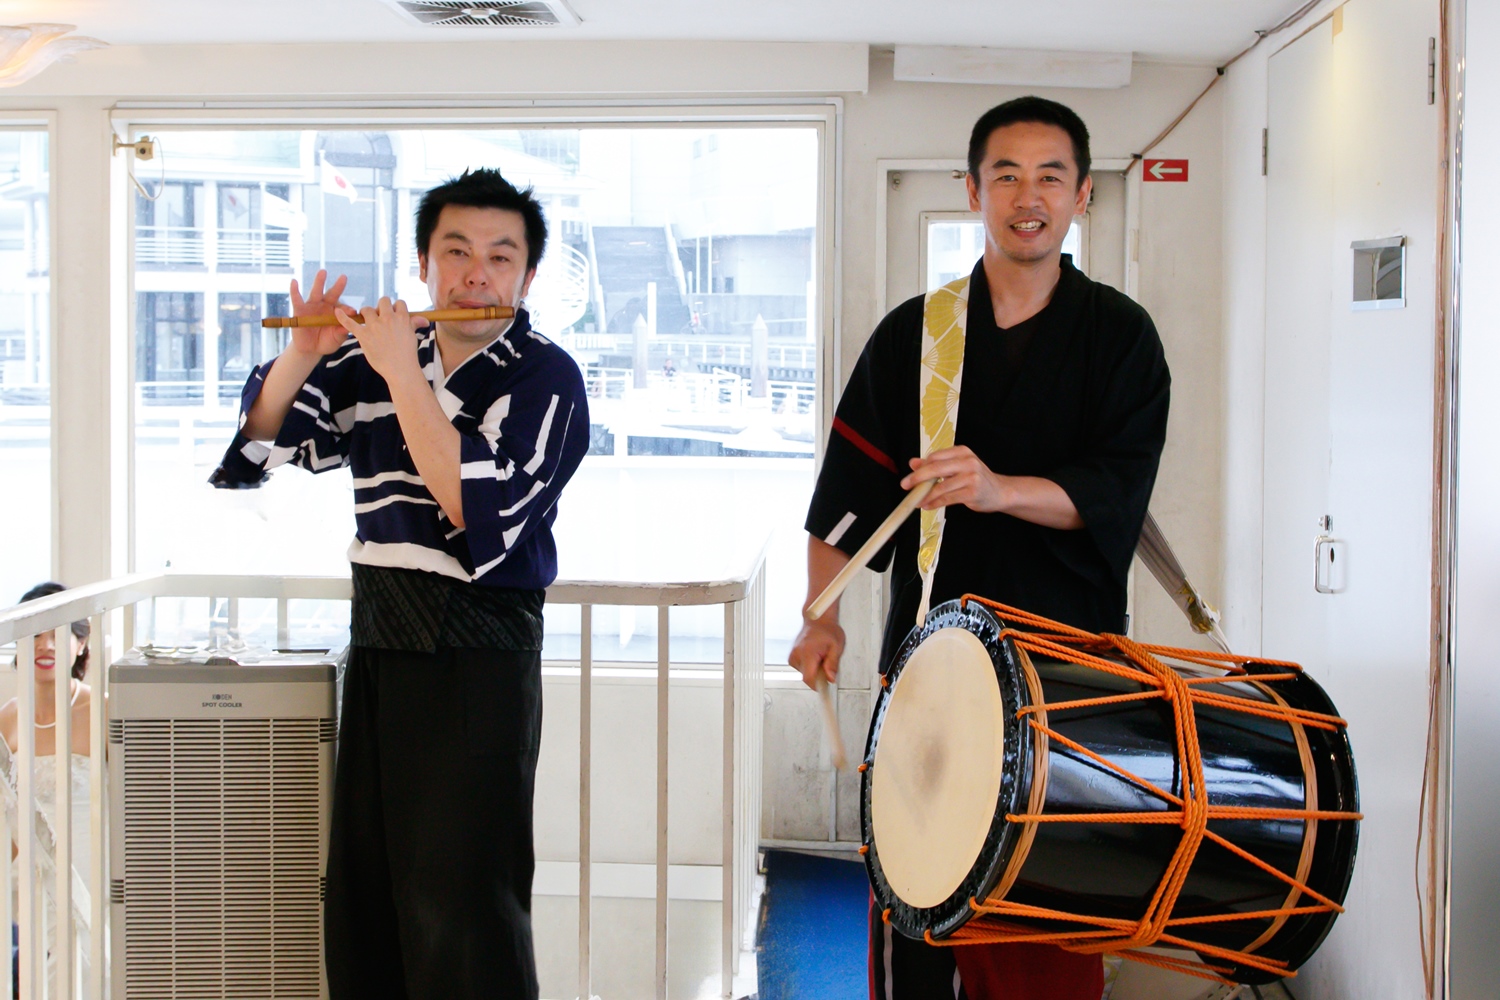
(1026, 781)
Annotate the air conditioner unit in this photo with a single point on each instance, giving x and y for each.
(221, 778)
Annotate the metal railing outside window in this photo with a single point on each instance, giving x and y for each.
(193, 246)
(254, 248)
(170, 246)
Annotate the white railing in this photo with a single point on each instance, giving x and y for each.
(743, 598)
(792, 397)
(252, 248)
(706, 351)
(592, 341)
(39, 252)
(189, 246)
(718, 391)
(739, 352)
(170, 246)
(111, 608)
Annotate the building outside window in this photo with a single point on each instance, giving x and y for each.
(167, 230)
(169, 339)
(679, 275)
(25, 363)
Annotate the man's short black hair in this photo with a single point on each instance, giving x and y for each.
(484, 188)
(1030, 109)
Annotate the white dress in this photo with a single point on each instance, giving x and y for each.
(44, 785)
(44, 781)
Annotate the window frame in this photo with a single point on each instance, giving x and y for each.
(45, 121)
(825, 117)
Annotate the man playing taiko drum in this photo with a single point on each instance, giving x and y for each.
(1039, 400)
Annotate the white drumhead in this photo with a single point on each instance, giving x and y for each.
(937, 767)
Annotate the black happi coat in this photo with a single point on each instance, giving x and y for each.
(1077, 394)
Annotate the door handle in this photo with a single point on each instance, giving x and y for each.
(1328, 575)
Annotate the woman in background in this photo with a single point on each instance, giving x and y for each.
(75, 660)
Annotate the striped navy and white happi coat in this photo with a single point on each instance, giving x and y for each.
(522, 415)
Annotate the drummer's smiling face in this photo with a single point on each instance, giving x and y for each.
(476, 257)
(1027, 192)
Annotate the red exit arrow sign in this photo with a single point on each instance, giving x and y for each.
(1165, 170)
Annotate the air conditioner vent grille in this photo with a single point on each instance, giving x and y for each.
(488, 13)
(222, 882)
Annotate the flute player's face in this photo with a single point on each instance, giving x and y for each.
(476, 257)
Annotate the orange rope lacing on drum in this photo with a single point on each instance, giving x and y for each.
(1192, 809)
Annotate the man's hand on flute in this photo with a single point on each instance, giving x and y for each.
(387, 335)
(306, 347)
(318, 340)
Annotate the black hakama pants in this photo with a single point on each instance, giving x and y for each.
(430, 857)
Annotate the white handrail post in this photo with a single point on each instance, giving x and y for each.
(99, 649)
(731, 647)
(62, 848)
(6, 916)
(754, 754)
(585, 792)
(283, 624)
(25, 806)
(7, 984)
(663, 681)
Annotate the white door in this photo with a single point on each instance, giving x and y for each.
(1348, 436)
(1299, 309)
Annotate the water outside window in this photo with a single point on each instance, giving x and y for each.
(25, 365)
(679, 275)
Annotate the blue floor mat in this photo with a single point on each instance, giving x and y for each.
(813, 942)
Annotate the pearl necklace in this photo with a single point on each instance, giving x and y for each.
(75, 687)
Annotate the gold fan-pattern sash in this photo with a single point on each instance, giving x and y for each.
(945, 315)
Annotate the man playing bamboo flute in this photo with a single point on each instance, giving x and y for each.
(460, 439)
(1037, 399)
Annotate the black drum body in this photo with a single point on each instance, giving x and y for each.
(1103, 869)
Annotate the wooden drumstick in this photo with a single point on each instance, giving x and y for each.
(431, 315)
(867, 551)
(836, 587)
(831, 723)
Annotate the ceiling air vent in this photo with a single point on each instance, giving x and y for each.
(488, 13)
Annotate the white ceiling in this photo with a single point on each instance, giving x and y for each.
(1187, 30)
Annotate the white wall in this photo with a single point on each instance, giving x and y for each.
(1244, 291)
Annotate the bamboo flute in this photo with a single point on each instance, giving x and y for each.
(431, 315)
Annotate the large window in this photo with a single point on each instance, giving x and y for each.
(25, 365)
(680, 275)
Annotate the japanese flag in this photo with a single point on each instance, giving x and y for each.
(333, 182)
